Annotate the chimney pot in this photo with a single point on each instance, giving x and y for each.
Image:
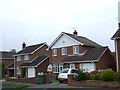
(75, 32)
(23, 45)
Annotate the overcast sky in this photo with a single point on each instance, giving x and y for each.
(37, 21)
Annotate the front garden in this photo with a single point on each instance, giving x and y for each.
(103, 78)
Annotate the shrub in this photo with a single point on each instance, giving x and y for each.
(108, 75)
(82, 76)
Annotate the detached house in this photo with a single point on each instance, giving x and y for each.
(7, 60)
(31, 60)
(73, 51)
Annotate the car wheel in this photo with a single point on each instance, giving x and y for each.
(60, 81)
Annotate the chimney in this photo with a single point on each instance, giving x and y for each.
(75, 32)
(23, 45)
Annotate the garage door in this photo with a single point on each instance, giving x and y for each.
(31, 72)
(88, 67)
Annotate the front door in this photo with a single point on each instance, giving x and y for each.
(23, 72)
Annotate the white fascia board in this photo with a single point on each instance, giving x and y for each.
(102, 54)
(21, 54)
(38, 48)
(90, 61)
(42, 61)
(55, 41)
(73, 39)
(59, 38)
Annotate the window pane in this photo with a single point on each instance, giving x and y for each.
(64, 51)
(54, 52)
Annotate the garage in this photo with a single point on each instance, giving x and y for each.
(31, 72)
(88, 67)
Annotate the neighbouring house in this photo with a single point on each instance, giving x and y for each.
(7, 60)
(116, 38)
(31, 60)
(73, 51)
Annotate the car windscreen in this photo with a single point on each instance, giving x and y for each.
(64, 71)
(74, 71)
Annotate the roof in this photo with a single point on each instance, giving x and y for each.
(31, 49)
(80, 39)
(34, 63)
(116, 35)
(83, 40)
(90, 55)
(6, 55)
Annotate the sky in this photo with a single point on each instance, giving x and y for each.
(38, 21)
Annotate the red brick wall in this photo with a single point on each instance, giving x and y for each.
(42, 67)
(41, 52)
(61, 57)
(7, 62)
(106, 61)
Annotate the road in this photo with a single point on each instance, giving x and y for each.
(58, 85)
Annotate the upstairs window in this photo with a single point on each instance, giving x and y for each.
(54, 52)
(26, 57)
(75, 49)
(64, 51)
(18, 58)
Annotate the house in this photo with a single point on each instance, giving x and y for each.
(116, 38)
(31, 60)
(73, 51)
(7, 59)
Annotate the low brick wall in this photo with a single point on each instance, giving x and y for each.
(108, 84)
(24, 80)
(92, 83)
(28, 80)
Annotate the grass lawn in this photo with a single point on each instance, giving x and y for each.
(10, 85)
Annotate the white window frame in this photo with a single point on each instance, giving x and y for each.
(64, 51)
(18, 58)
(75, 49)
(57, 68)
(18, 70)
(87, 69)
(26, 57)
(54, 52)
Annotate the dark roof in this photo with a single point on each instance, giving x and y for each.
(116, 35)
(35, 62)
(11, 66)
(6, 55)
(30, 49)
(92, 54)
(83, 40)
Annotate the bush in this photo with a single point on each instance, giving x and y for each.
(82, 76)
(108, 75)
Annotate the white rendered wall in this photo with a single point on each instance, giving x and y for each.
(65, 41)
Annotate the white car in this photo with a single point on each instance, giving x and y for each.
(63, 75)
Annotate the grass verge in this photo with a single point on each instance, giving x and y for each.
(10, 85)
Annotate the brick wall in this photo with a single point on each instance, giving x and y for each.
(106, 61)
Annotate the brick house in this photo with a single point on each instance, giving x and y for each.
(7, 60)
(31, 60)
(73, 51)
(116, 38)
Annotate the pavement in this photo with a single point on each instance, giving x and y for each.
(57, 85)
